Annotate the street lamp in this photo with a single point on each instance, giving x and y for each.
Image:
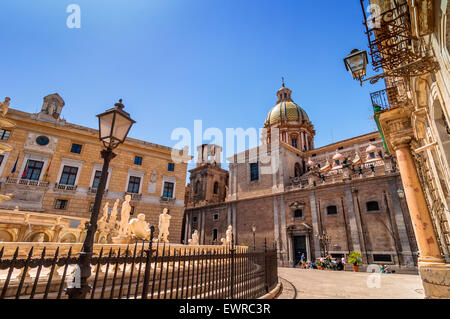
(324, 240)
(114, 125)
(356, 62)
(254, 236)
(401, 193)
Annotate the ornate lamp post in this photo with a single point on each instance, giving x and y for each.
(356, 63)
(324, 240)
(254, 236)
(114, 125)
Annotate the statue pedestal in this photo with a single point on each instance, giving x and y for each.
(122, 239)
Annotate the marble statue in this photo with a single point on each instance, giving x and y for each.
(228, 236)
(125, 216)
(138, 228)
(102, 223)
(4, 106)
(164, 223)
(113, 217)
(194, 240)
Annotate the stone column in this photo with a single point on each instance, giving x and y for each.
(420, 215)
(399, 220)
(187, 228)
(352, 220)
(202, 236)
(235, 224)
(315, 224)
(283, 235)
(398, 131)
(276, 232)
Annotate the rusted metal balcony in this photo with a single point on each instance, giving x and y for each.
(389, 35)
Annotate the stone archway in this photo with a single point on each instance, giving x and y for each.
(38, 237)
(68, 238)
(6, 236)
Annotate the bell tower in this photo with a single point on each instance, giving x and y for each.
(208, 180)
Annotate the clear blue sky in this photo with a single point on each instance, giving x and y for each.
(175, 61)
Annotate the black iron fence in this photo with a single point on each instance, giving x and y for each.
(144, 271)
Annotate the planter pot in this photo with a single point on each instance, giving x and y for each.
(356, 268)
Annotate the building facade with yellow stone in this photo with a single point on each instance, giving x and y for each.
(410, 42)
(54, 168)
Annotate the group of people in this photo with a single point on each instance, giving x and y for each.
(327, 262)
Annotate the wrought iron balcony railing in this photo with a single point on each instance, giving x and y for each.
(389, 35)
(384, 99)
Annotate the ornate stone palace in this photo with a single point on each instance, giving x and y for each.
(339, 198)
(53, 167)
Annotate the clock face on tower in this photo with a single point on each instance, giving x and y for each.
(42, 140)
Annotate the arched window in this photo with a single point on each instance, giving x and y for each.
(372, 206)
(216, 187)
(332, 210)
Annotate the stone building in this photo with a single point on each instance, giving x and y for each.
(54, 168)
(294, 193)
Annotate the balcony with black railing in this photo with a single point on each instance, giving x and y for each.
(384, 99)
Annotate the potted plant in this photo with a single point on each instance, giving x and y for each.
(355, 258)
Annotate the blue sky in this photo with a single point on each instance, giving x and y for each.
(176, 61)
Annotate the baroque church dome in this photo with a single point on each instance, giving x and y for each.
(285, 110)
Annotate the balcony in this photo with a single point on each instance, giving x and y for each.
(134, 196)
(167, 200)
(93, 191)
(389, 34)
(368, 169)
(384, 99)
(69, 188)
(26, 182)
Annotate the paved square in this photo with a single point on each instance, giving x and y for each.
(324, 284)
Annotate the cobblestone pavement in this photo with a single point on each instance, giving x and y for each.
(323, 284)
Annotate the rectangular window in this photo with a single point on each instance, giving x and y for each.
(69, 175)
(76, 148)
(382, 258)
(61, 204)
(171, 167)
(138, 160)
(332, 210)
(294, 142)
(33, 170)
(298, 213)
(1, 159)
(4, 135)
(168, 190)
(254, 173)
(96, 181)
(216, 217)
(133, 184)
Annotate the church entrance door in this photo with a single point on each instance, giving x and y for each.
(300, 248)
